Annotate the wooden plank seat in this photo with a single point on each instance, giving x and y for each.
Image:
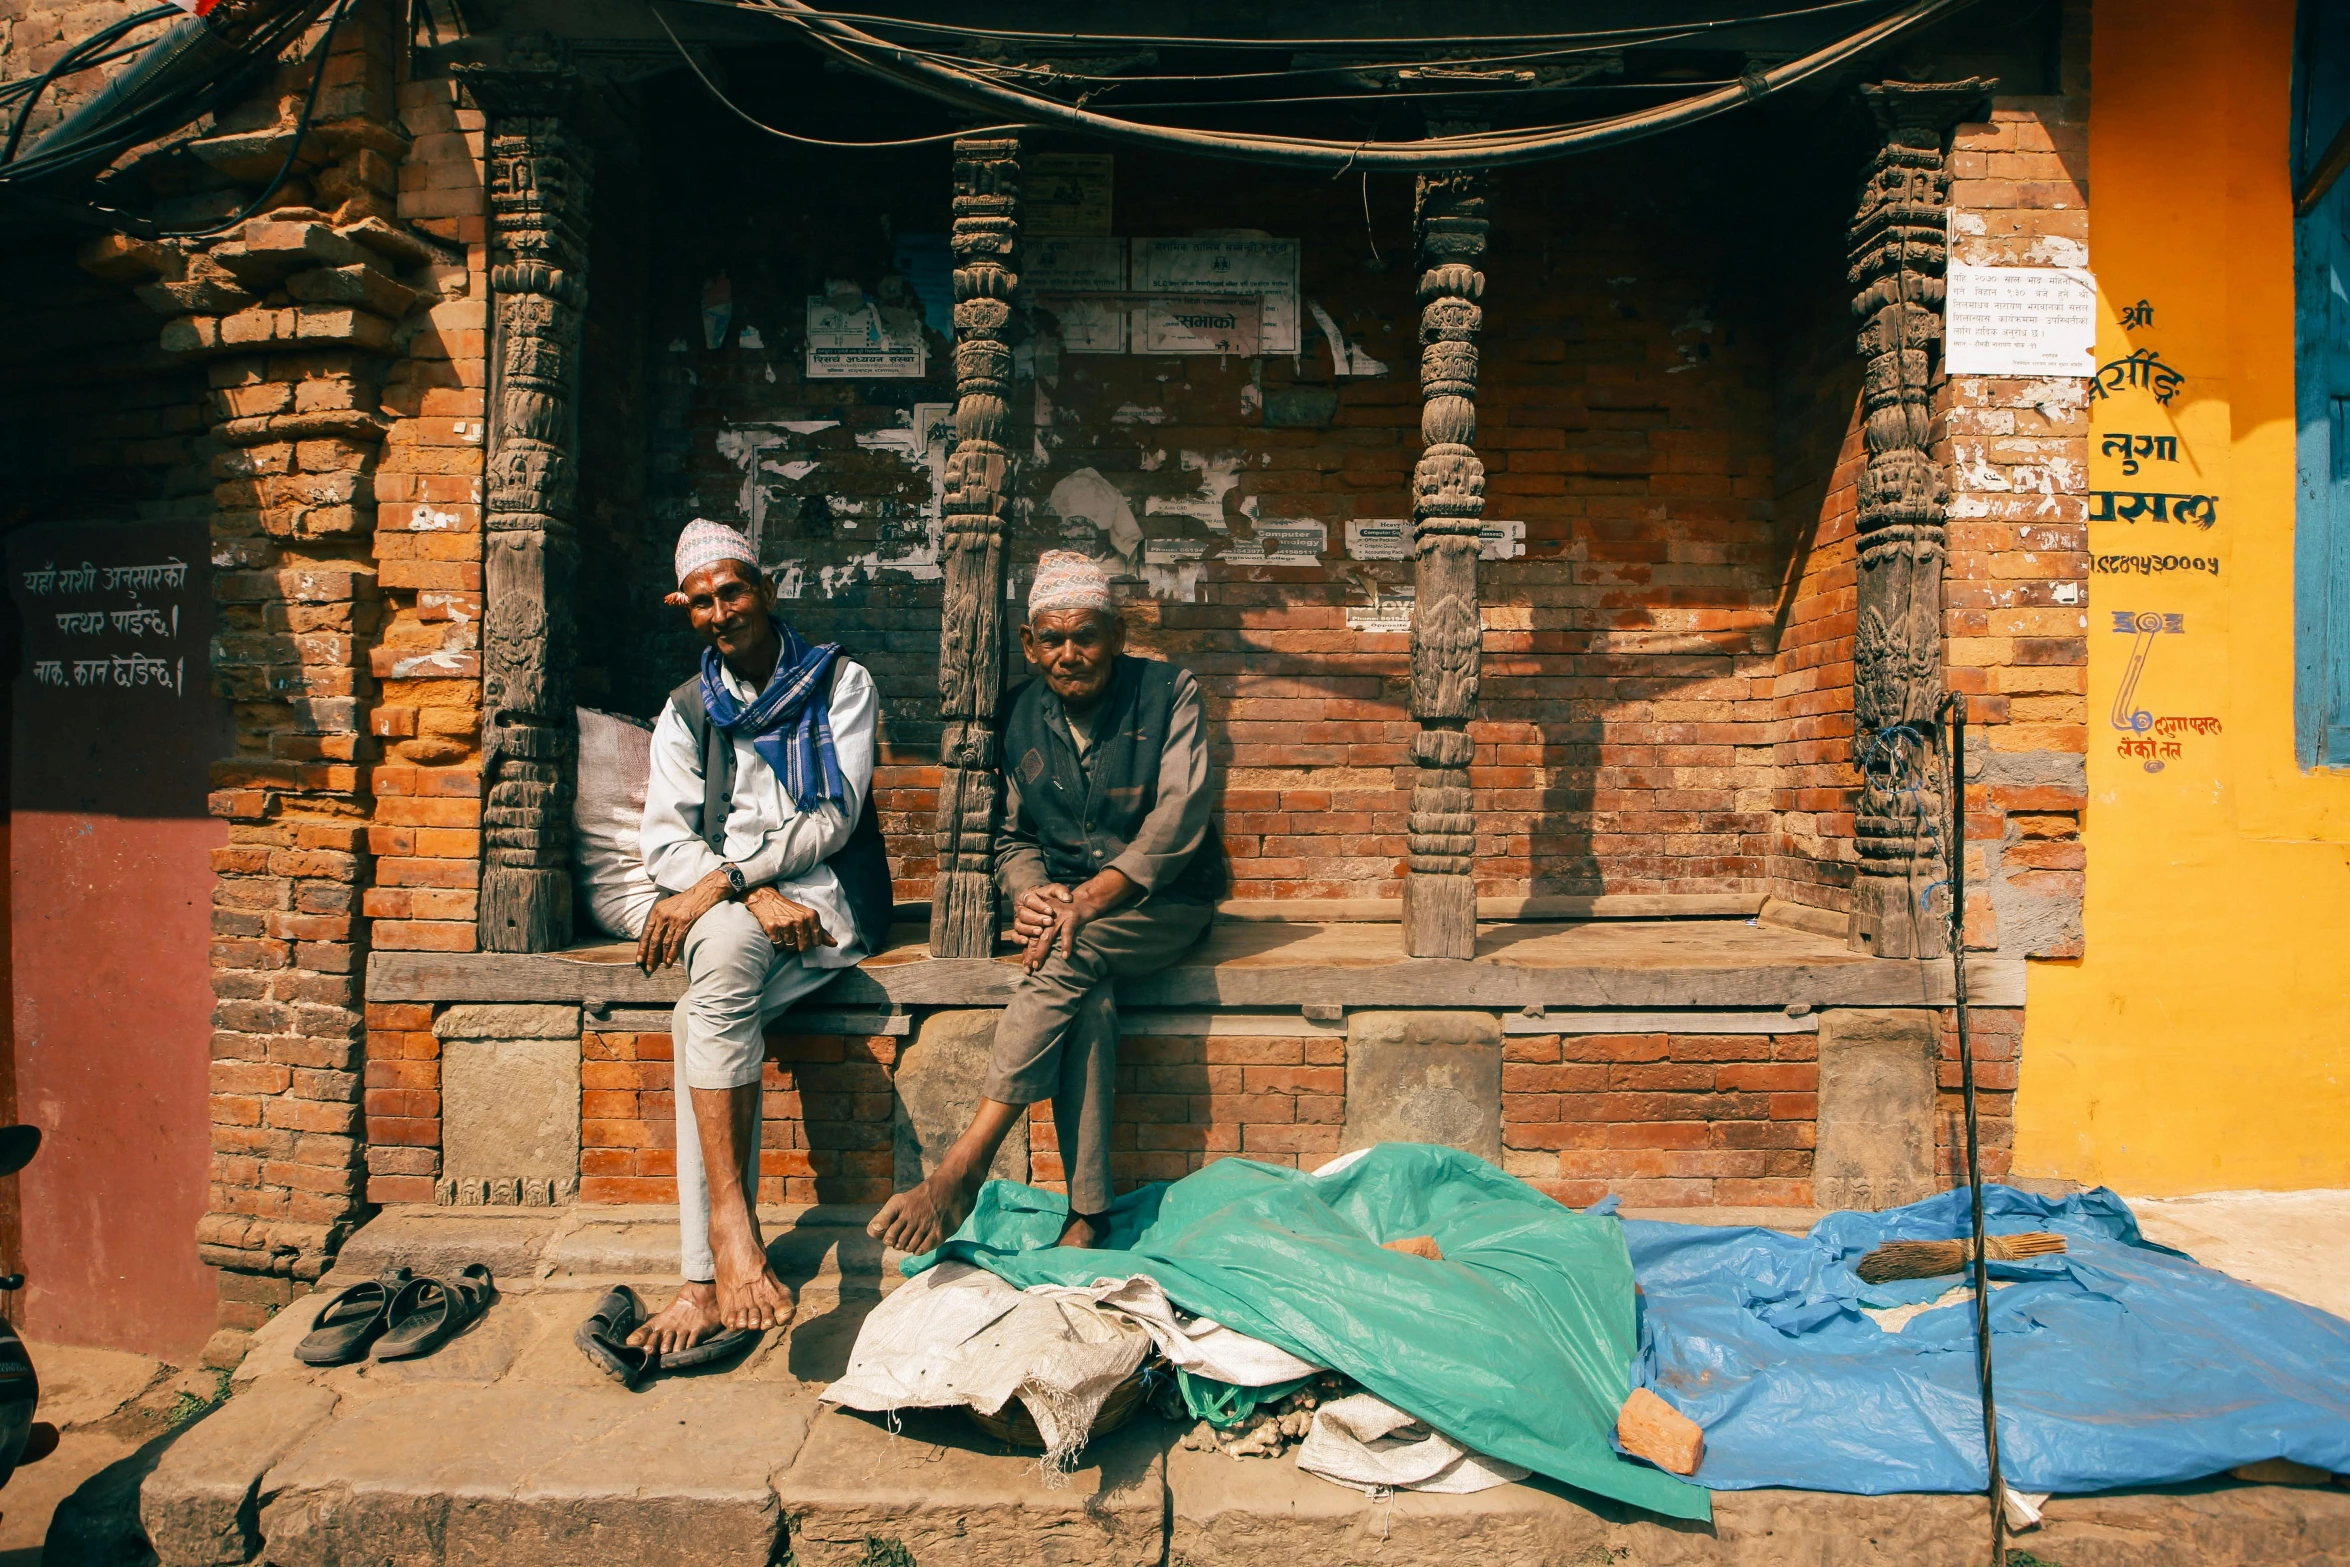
(1257, 964)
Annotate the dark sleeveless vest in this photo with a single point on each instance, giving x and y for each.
(862, 864)
(1082, 821)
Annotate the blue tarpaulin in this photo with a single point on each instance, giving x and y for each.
(2118, 1362)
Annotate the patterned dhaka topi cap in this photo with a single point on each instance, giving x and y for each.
(1068, 580)
(706, 543)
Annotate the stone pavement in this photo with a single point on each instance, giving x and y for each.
(507, 1449)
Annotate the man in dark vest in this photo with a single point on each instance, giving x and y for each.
(1107, 859)
(759, 824)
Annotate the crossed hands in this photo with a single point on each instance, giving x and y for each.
(1045, 918)
(792, 927)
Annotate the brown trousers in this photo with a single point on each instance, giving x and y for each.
(1058, 1037)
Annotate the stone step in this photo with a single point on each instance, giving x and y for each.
(541, 1469)
(821, 1248)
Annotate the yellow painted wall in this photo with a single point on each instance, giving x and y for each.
(2203, 1043)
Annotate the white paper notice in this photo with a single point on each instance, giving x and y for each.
(1285, 541)
(1213, 268)
(1065, 193)
(1389, 538)
(2020, 321)
(1390, 611)
(856, 345)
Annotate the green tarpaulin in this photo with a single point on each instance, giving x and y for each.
(1518, 1344)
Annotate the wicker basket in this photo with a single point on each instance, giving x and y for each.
(1016, 1427)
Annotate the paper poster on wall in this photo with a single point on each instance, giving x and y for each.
(1065, 193)
(857, 344)
(1198, 325)
(2020, 321)
(1265, 268)
(1388, 538)
(1390, 610)
(1062, 274)
(1283, 541)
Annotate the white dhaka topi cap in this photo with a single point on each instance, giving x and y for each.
(705, 543)
(1068, 580)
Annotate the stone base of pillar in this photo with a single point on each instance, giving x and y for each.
(938, 1081)
(1875, 1144)
(1424, 1077)
(1439, 915)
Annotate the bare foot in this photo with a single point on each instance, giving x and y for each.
(1080, 1232)
(920, 1219)
(749, 1293)
(687, 1320)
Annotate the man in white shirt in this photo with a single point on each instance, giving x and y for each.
(758, 824)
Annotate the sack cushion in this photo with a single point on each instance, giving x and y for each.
(615, 760)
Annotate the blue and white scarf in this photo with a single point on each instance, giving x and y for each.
(790, 723)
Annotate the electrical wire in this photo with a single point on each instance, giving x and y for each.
(1413, 96)
(890, 62)
(71, 62)
(326, 46)
(813, 141)
(1139, 39)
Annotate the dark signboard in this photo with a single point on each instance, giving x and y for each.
(113, 707)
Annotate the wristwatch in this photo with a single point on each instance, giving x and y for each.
(736, 886)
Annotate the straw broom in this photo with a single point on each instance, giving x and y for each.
(1930, 1259)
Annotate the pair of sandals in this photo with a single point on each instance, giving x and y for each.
(398, 1316)
(603, 1338)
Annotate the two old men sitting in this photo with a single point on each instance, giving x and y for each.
(758, 824)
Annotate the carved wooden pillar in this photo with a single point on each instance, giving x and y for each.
(1448, 509)
(978, 484)
(1899, 907)
(538, 179)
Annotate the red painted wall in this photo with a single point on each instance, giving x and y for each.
(112, 726)
(113, 1020)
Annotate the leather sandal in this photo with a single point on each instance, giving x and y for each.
(603, 1337)
(348, 1325)
(427, 1313)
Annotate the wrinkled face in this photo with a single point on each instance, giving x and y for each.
(1076, 649)
(729, 603)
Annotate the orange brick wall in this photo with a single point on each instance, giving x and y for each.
(1625, 419)
(1662, 1120)
(428, 548)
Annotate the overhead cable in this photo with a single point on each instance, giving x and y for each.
(949, 84)
(964, 30)
(745, 116)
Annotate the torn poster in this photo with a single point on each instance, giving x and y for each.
(1066, 193)
(1060, 273)
(1390, 610)
(1389, 538)
(1284, 541)
(857, 344)
(1263, 268)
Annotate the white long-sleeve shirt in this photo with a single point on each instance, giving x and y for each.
(773, 841)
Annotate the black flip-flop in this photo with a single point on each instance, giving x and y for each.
(603, 1337)
(426, 1313)
(347, 1326)
(719, 1345)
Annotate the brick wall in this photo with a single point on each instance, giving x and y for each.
(825, 1097)
(1662, 1120)
(425, 832)
(1656, 1119)
(2016, 596)
(1625, 421)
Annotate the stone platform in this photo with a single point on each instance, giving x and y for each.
(507, 1449)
